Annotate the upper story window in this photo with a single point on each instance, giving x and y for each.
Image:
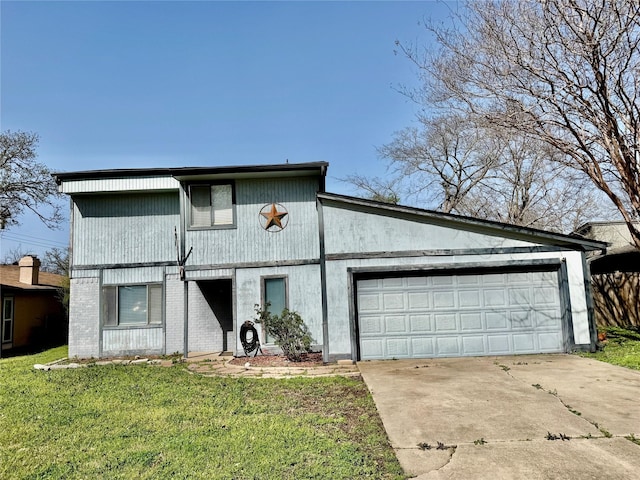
(211, 205)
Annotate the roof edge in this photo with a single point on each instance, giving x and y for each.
(491, 224)
(60, 177)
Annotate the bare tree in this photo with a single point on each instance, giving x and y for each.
(532, 188)
(565, 72)
(379, 189)
(56, 260)
(453, 164)
(25, 184)
(12, 256)
(441, 161)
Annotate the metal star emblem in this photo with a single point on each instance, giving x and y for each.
(274, 217)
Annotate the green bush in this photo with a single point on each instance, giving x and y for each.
(288, 330)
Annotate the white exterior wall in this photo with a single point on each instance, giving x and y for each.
(305, 296)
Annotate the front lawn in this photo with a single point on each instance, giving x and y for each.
(141, 421)
(622, 347)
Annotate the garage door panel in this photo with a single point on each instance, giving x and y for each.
(493, 279)
(519, 296)
(521, 320)
(523, 343)
(549, 342)
(369, 302)
(467, 280)
(471, 321)
(420, 323)
(393, 301)
(392, 282)
(372, 347)
(469, 299)
(497, 320)
(371, 325)
(397, 347)
(444, 300)
(418, 300)
(546, 319)
(422, 346)
(369, 284)
(495, 298)
(498, 344)
(543, 296)
(456, 315)
(395, 324)
(445, 322)
(473, 345)
(447, 346)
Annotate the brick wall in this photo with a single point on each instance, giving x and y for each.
(84, 318)
(174, 315)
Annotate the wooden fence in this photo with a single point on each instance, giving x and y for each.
(616, 298)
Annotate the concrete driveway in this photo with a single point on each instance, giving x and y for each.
(491, 417)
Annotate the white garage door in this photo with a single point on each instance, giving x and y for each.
(459, 315)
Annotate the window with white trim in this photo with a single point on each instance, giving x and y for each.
(7, 319)
(211, 205)
(132, 305)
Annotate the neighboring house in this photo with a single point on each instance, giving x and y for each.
(621, 254)
(32, 312)
(175, 259)
(615, 274)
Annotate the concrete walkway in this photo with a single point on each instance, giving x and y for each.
(214, 365)
(524, 417)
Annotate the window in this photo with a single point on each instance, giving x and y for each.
(132, 305)
(274, 292)
(7, 319)
(211, 205)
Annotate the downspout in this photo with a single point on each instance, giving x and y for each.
(323, 284)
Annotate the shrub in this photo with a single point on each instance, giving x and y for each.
(288, 330)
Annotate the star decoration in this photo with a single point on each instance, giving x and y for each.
(274, 217)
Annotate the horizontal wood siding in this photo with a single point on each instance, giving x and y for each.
(349, 230)
(127, 276)
(119, 228)
(120, 184)
(248, 241)
(124, 340)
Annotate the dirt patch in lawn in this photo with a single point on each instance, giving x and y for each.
(308, 360)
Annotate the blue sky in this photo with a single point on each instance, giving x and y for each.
(157, 83)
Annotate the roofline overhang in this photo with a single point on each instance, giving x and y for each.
(186, 173)
(489, 225)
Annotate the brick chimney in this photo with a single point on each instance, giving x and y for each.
(29, 270)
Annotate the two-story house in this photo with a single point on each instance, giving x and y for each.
(174, 260)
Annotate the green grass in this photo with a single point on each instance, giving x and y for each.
(148, 422)
(621, 348)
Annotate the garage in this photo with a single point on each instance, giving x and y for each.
(459, 314)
